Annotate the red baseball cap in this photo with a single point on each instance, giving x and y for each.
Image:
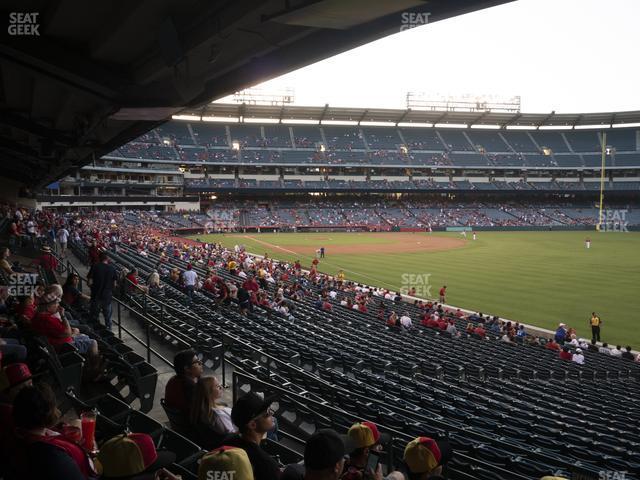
(16, 373)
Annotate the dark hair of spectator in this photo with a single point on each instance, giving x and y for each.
(183, 360)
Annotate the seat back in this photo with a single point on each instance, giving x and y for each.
(176, 418)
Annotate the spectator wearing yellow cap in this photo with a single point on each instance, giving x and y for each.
(132, 457)
(362, 438)
(424, 458)
(230, 463)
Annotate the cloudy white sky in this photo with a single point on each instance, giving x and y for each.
(563, 55)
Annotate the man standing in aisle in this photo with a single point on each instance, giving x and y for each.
(63, 237)
(190, 279)
(102, 278)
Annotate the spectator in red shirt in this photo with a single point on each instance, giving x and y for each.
(210, 282)
(26, 309)
(432, 322)
(552, 345)
(134, 282)
(443, 294)
(250, 285)
(47, 261)
(51, 323)
(480, 331)
(565, 354)
(442, 324)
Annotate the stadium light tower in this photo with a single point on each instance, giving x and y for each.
(606, 150)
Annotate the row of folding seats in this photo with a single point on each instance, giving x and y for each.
(320, 362)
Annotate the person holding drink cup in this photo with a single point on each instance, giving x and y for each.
(41, 452)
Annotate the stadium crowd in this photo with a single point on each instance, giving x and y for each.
(32, 428)
(371, 213)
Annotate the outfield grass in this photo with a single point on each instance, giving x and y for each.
(540, 278)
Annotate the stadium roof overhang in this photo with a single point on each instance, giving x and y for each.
(366, 116)
(81, 78)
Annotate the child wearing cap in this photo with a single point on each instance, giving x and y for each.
(362, 438)
(424, 458)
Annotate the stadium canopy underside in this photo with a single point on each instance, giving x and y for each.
(359, 116)
(81, 78)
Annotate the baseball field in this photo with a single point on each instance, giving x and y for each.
(539, 278)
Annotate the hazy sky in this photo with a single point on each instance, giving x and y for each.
(563, 55)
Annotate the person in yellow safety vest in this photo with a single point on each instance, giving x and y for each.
(595, 323)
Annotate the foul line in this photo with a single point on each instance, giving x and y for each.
(326, 263)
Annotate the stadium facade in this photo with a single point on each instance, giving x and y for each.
(284, 167)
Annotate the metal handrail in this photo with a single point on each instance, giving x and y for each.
(148, 322)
